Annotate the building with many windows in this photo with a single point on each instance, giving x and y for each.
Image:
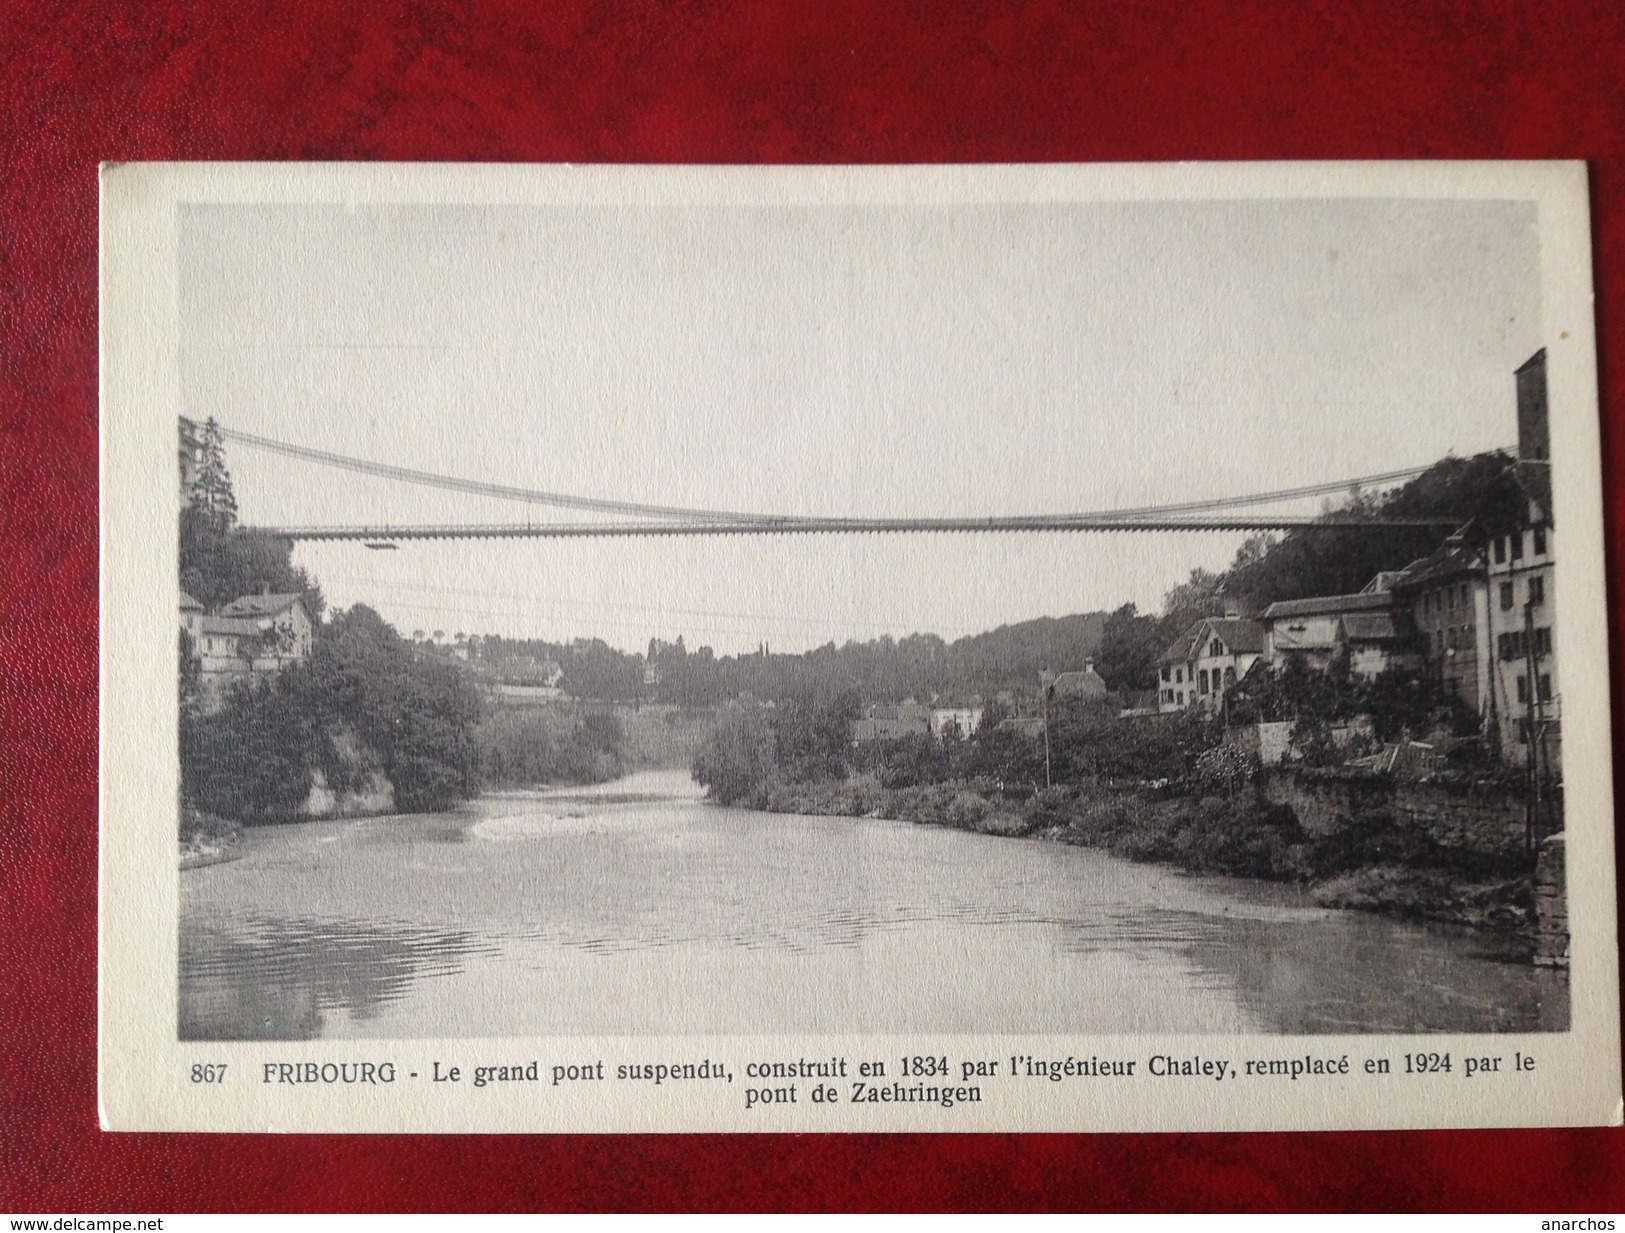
(1447, 594)
(1526, 699)
(1209, 657)
(1521, 618)
(1369, 630)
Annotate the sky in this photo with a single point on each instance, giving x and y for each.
(834, 360)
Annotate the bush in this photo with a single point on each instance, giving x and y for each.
(1091, 742)
(735, 763)
(1224, 768)
(905, 762)
(966, 810)
(550, 745)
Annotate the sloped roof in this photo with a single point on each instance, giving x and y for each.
(1180, 651)
(190, 604)
(1287, 639)
(911, 712)
(234, 626)
(1329, 605)
(1448, 561)
(262, 605)
(1371, 627)
(1385, 580)
(1237, 633)
(1086, 681)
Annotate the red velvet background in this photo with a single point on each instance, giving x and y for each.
(705, 81)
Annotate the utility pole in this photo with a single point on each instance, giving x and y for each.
(1535, 726)
(1049, 782)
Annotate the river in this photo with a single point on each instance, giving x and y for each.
(637, 908)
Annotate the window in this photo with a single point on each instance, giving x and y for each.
(1179, 677)
(1513, 646)
(1506, 597)
(1464, 595)
(1204, 680)
(1545, 687)
(1523, 689)
(1229, 677)
(1217, 648)
(1537, 590)
(1468, 636)
(1450, 597)
(1439, 636)
(1517, 545)
(1500, 550)
(1540, 541)
(1543, 641)
(1165, 681)
(1181, 698)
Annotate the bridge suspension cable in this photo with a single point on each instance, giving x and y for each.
(1148, 517)
(385, 535)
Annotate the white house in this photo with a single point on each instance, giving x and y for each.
(960, 720)
(252, 636)
(1209, 657)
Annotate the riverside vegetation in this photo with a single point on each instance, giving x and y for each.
(1164, 789)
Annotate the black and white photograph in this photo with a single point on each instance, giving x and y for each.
(811, 606)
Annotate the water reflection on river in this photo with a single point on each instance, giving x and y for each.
(636, 908)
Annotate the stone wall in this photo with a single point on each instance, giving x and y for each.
(1552, 904)
(1327, 801)
(1272, 742)
(1480, 819)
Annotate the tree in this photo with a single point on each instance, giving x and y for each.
(1479, 492)
(218, 560)
(211, 494)
(1199, 595)
(813, 732)
(191, 674)
(1129, 646)
(736, 763)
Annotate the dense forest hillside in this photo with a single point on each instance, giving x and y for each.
(920, 666)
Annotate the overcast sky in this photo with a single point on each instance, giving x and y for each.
(855, 360)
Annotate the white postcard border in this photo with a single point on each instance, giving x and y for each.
(146, 1075)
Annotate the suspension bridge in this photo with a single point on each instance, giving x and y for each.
(638, 519)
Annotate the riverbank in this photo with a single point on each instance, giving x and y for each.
(1376, 867)
(207, 840)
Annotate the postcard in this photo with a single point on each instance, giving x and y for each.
(986, 648)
